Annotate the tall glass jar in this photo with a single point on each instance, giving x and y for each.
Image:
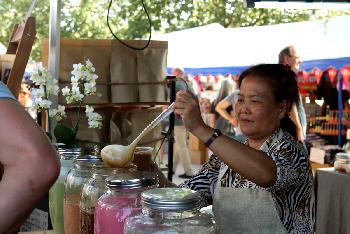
(92, 190)
(75, 180)
(121, 200)
(170, 210)
(342, 162)
(56, 193)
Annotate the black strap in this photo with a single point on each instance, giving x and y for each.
(215, 135)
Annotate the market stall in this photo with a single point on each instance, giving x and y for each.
(90, 194)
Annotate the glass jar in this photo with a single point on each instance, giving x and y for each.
(75, 180)
(143, 158)
(170, 210)
(342, 162)
(92, 190)
(56, 192)
(121, 200)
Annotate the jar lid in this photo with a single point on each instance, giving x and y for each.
(342, 156)
(171, 199)
(131, 180)
(66, 152)
(88, 158)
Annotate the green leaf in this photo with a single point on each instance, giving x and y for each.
(64, 134)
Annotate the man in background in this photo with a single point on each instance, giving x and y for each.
(180, 132)
(312, 109)
(289, 56)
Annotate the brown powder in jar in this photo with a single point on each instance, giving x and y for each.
(341, 169)
(142, 159)
(86, 222)
(71, 218)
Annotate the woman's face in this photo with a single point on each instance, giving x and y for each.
(257, 111)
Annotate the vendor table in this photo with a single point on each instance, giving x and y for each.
(333, 206)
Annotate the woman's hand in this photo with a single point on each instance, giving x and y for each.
(186, 105)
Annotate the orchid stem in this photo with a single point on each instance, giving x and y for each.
(76, 128)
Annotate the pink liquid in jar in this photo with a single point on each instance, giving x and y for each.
(111, 213)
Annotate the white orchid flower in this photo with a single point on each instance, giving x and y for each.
(75, 79)
(83, 83)
(46, 104)
(77, 67)
(94, 119)
(89, 109)
(61, 109)
(38, 93)
(90, 88)
(53, 112)
(39, 76)
(58, 113)
(89, 64)
(65, 91)
(35, 106)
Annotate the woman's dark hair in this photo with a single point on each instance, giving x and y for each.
(284, 86)
(325, 84)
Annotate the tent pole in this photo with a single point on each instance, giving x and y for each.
(54, 50)
(340, 108)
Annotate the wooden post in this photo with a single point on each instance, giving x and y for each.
(20, 44)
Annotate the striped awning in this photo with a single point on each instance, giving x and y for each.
(306, 1)
(299, 4)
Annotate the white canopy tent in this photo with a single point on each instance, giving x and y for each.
(215, 46)
(2, 49)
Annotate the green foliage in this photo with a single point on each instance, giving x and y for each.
(65, 134)
(87, 18)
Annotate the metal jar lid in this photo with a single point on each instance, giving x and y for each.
(342, 156)
(171, 199)
(131, 180)
(67, 152)
(88, 159)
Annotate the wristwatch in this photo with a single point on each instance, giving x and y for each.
(215, 135)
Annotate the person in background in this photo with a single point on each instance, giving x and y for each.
(195, 84)
(25, 96)
(180, 132)
(312, 109)
(29, 163)
(271, 158)
(25, 99)
(225, 108)
(289, 56)
(222, 123)
(327, 89)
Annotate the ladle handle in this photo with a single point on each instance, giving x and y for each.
(155, 122)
